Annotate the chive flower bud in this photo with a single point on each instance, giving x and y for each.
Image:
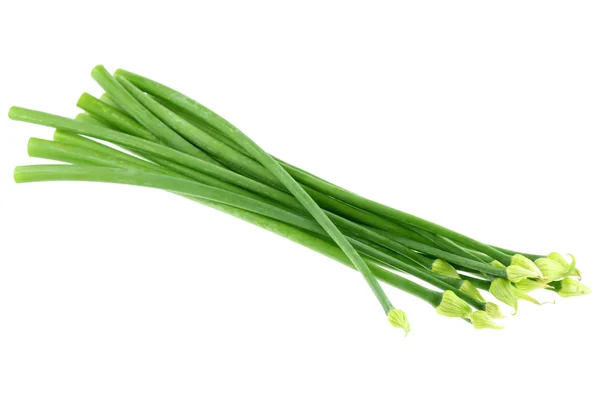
(572, 269)
(482, 320)
(443, 268)
(398, 319)
(527, 285)
(551, 269)
(493, 310)
(570, 287)
(521, 268)
(504, 291)
(468, 288)
(453, 306)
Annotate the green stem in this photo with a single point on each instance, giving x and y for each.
(105, 98)
(420, 273)
(414, 233)
(143, 116)
(203, 140)
(185, 187)
(478, 283)
(446, 244)
(175, 156)
(101, 155)
(22, 174)
(194, 108)
(307, 201)
(532, 257)
(447, 256)
(87, 102)
(194, 129)
(201, 125)
(94, 106)
(154, 149)
(162, 152)
(90, 152)
(354, 228)
(328, 249)
(242, 164)
(36, 173)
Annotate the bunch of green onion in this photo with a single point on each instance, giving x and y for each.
(174, 143)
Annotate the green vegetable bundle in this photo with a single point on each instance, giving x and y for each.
(180, 146)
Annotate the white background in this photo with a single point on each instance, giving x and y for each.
(481, 116)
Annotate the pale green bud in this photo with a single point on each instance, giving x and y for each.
(443, 268)
(482, 320)
(504, 291)
(527, 285)
(398, 320)
(493, 310)
(521, 268)
(572, 269)
(453, 306)
(517, 273)
(554, 256)
(551, 269)
(468, 288)
(570, 287)
(498, 264)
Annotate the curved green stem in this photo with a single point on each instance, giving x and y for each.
(90, 152)
(159, 181)
(447, 256)
(155, 126)
(194, 108)
(242, 164)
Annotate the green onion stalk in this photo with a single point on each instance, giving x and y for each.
(75, 149)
